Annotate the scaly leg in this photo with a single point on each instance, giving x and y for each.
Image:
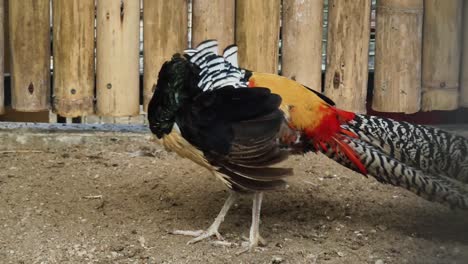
(213, 229)
(254, 238)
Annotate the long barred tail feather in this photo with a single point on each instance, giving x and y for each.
(392, 171)
(427, 161)
(429, 149)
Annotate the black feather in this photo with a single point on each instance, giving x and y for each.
(322, 96)
(176, 85)
(237, 130)
(209, 121)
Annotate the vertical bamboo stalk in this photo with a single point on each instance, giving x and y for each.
(2, 26)
(302, 41)
(257, 34)
(165, 33)
(73, 57)
(213, 19)
(397, 84)
(29, 27)
(6, 39)
(464, 67)
(117, 68)
(441, 54)
(348, 53)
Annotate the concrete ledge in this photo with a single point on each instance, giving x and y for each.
(72, 128)
(44, 136)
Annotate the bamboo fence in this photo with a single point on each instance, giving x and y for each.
(165, 33)
(2, 48)
(213, 19)
(464, 67)
(348, 53)
(117, 69)
(302, 38)
(397, 83)
(73, 57)
(6, 38)
(441, 54)
(257, 34)
(102, 51)
(29, 24)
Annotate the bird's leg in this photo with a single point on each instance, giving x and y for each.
(213, 229)
(254, 238)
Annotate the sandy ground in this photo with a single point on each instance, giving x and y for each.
(118, 204)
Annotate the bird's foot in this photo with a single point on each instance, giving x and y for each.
(252, 244)
(199, 234)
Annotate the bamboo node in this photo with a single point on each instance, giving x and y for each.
(446, 85)
(336, 80)
(31, 88)
(122, 10)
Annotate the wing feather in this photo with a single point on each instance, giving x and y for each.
(237, 130)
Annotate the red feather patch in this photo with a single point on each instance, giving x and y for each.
(329, 132)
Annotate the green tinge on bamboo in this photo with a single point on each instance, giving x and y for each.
(30, 54)
(464, 67)
(441, 54)
(302, 42)
(347, 53)
(117, 68)
(257, 34)
(397, 79)
(73, 57)
(213, 19)
(165, 33)
(2, 34)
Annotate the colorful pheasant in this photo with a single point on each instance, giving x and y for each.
(239, 124)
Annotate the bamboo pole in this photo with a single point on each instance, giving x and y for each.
(165, 33)
(73, 57)
(117, 78)
(29, 23)
(213, 19)
(6, 39)
(397, 84)
(441, 54)
(347, 53)
(257, 34)
(302, 42)
(2, 26)
(464, 67)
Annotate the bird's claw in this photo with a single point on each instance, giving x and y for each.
(204, 235)
(249, 246)
(199, 235)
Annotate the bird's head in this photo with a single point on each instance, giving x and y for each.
(176, 86)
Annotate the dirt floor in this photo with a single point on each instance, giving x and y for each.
(118, 204)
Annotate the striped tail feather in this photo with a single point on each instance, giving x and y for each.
(389, 170)
(205, 47)
(230, 55)
(429, 149)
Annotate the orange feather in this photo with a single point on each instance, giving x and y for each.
(309, 113)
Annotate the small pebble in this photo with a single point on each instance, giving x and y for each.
(379, 261)
(277, 260)
(382, 227)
